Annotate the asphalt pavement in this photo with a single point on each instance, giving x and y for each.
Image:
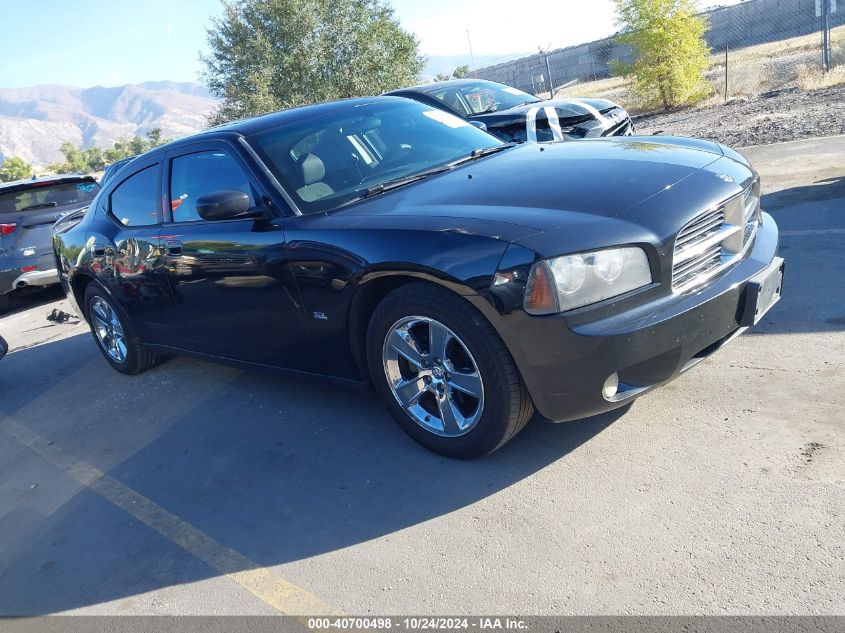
(201, 489)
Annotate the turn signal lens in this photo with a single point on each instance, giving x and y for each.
(540, 293)
(7, 229)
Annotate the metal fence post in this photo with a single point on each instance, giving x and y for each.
(549, 75)
(726, 72)
(826, 35)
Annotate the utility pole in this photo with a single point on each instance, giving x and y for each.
(545, 53)
(471, 56)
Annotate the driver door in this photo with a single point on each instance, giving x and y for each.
(233, 293)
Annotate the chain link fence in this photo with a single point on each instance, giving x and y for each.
(757, 46)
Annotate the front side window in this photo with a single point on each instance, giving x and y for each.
(335, 157)
(135, 201)
(195, 175)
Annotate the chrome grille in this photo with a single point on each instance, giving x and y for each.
(715, 239)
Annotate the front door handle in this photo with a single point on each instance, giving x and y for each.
(173, 247)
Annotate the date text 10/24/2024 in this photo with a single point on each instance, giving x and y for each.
(417, 623)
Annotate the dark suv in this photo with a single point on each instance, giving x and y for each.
(28, 210)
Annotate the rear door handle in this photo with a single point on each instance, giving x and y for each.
(173, 247)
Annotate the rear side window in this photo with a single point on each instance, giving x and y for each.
(195, 175)
(135, 201)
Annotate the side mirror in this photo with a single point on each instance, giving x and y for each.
(479, 125)
(223, 205)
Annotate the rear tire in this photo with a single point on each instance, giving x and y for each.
(113, 333)
(420, 393)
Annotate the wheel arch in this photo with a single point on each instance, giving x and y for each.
(78, 285)
(376, 287)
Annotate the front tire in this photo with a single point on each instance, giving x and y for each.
(444, 373)
(113, 333)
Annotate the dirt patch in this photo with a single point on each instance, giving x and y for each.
(809, 450)
(773, 117)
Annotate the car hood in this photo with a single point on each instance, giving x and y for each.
(544, 186)
(566, 108)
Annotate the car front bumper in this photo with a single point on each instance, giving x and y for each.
(566, 368)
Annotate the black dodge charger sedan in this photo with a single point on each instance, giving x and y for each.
(469, 281)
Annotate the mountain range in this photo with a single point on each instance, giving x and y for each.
(35, 121)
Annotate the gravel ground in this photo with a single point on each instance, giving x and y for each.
(773, 117)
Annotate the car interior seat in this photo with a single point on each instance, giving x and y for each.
(313, 170)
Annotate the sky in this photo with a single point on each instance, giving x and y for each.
(111, 42)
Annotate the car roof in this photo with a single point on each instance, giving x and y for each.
(260, 123)
(21, 184)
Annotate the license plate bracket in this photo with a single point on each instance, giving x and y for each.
(763, 291)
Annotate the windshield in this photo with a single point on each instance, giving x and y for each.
(45, 195)
(327, 160)
(478, 97)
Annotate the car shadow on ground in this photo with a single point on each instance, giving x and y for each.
(826, 190)
(21, 300)
(277, 469)
(812, 225)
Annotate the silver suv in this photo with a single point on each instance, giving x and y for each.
(28, 210)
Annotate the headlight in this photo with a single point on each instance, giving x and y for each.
(572, 281)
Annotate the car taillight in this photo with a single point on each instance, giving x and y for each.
(28, 269)
(7, 229)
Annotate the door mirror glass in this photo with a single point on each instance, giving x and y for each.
(223, 205)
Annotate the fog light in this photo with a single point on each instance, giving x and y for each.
(611, 386)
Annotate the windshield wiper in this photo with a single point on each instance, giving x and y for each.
(486, 151)
(43, 205)
(405, 180)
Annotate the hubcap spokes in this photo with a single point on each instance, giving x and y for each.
(108, 330)
(433, 376)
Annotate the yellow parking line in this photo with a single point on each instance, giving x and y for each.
(277, 592)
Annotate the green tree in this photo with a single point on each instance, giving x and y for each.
(671, 55)
(442, 77)
(267, 55)
(461, 71)
(14, 169)
(85, 161)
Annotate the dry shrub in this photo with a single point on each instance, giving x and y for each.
(837, 54)
(815, 79)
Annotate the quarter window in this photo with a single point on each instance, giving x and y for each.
(135, 201)
(195, 175)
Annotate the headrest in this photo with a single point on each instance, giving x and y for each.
(313, 169)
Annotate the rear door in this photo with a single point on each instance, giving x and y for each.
(233, 290)
(125, 250)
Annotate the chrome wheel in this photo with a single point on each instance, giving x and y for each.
(433, 376)
(108, 330)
